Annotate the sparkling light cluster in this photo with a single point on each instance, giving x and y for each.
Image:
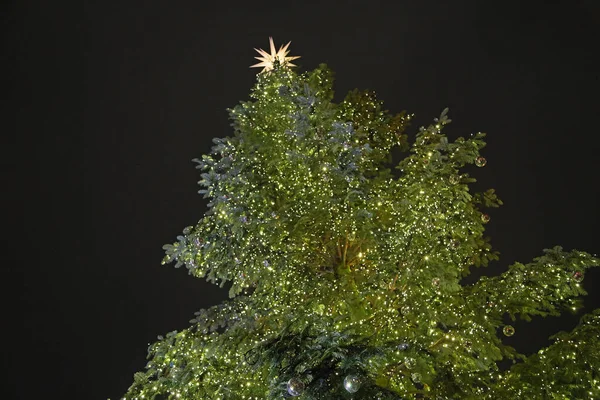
(346, 275)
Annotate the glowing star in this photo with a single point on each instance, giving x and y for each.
(267, 60)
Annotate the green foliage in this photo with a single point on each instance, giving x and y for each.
(339, 267)
(568, 369)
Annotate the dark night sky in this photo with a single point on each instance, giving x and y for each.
(111, 100)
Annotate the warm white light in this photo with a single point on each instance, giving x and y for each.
(267, 60)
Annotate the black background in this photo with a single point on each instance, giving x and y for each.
(109, 102)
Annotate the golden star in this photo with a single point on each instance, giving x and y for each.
(267, 60)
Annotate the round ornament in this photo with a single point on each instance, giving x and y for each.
(578, 276)
(174, 373)
(410, 362)
(352, 383)
(480, 161)
(485, 218)
(295, 387)
(454, 179)
(403, 346)
(416, 377)
(508, 330)
(435, 282)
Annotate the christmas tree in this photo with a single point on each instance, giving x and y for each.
(346, 268)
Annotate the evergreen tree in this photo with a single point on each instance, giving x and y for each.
(345, 276)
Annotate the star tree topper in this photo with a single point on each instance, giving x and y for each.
(267, 60)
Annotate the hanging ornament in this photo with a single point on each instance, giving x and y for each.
(405, 310)
(435, 282)
(319, 309)
(174, 373)
(480, 161)
(410, 362)
(468, 344)
(578, 276)
(454, 179)
(352, 383)
(508, 330)
(295, 387)
(416, 377)
(485, 218)
(403, 346)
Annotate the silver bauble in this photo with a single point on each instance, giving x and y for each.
(352, 383)
(295, 387)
